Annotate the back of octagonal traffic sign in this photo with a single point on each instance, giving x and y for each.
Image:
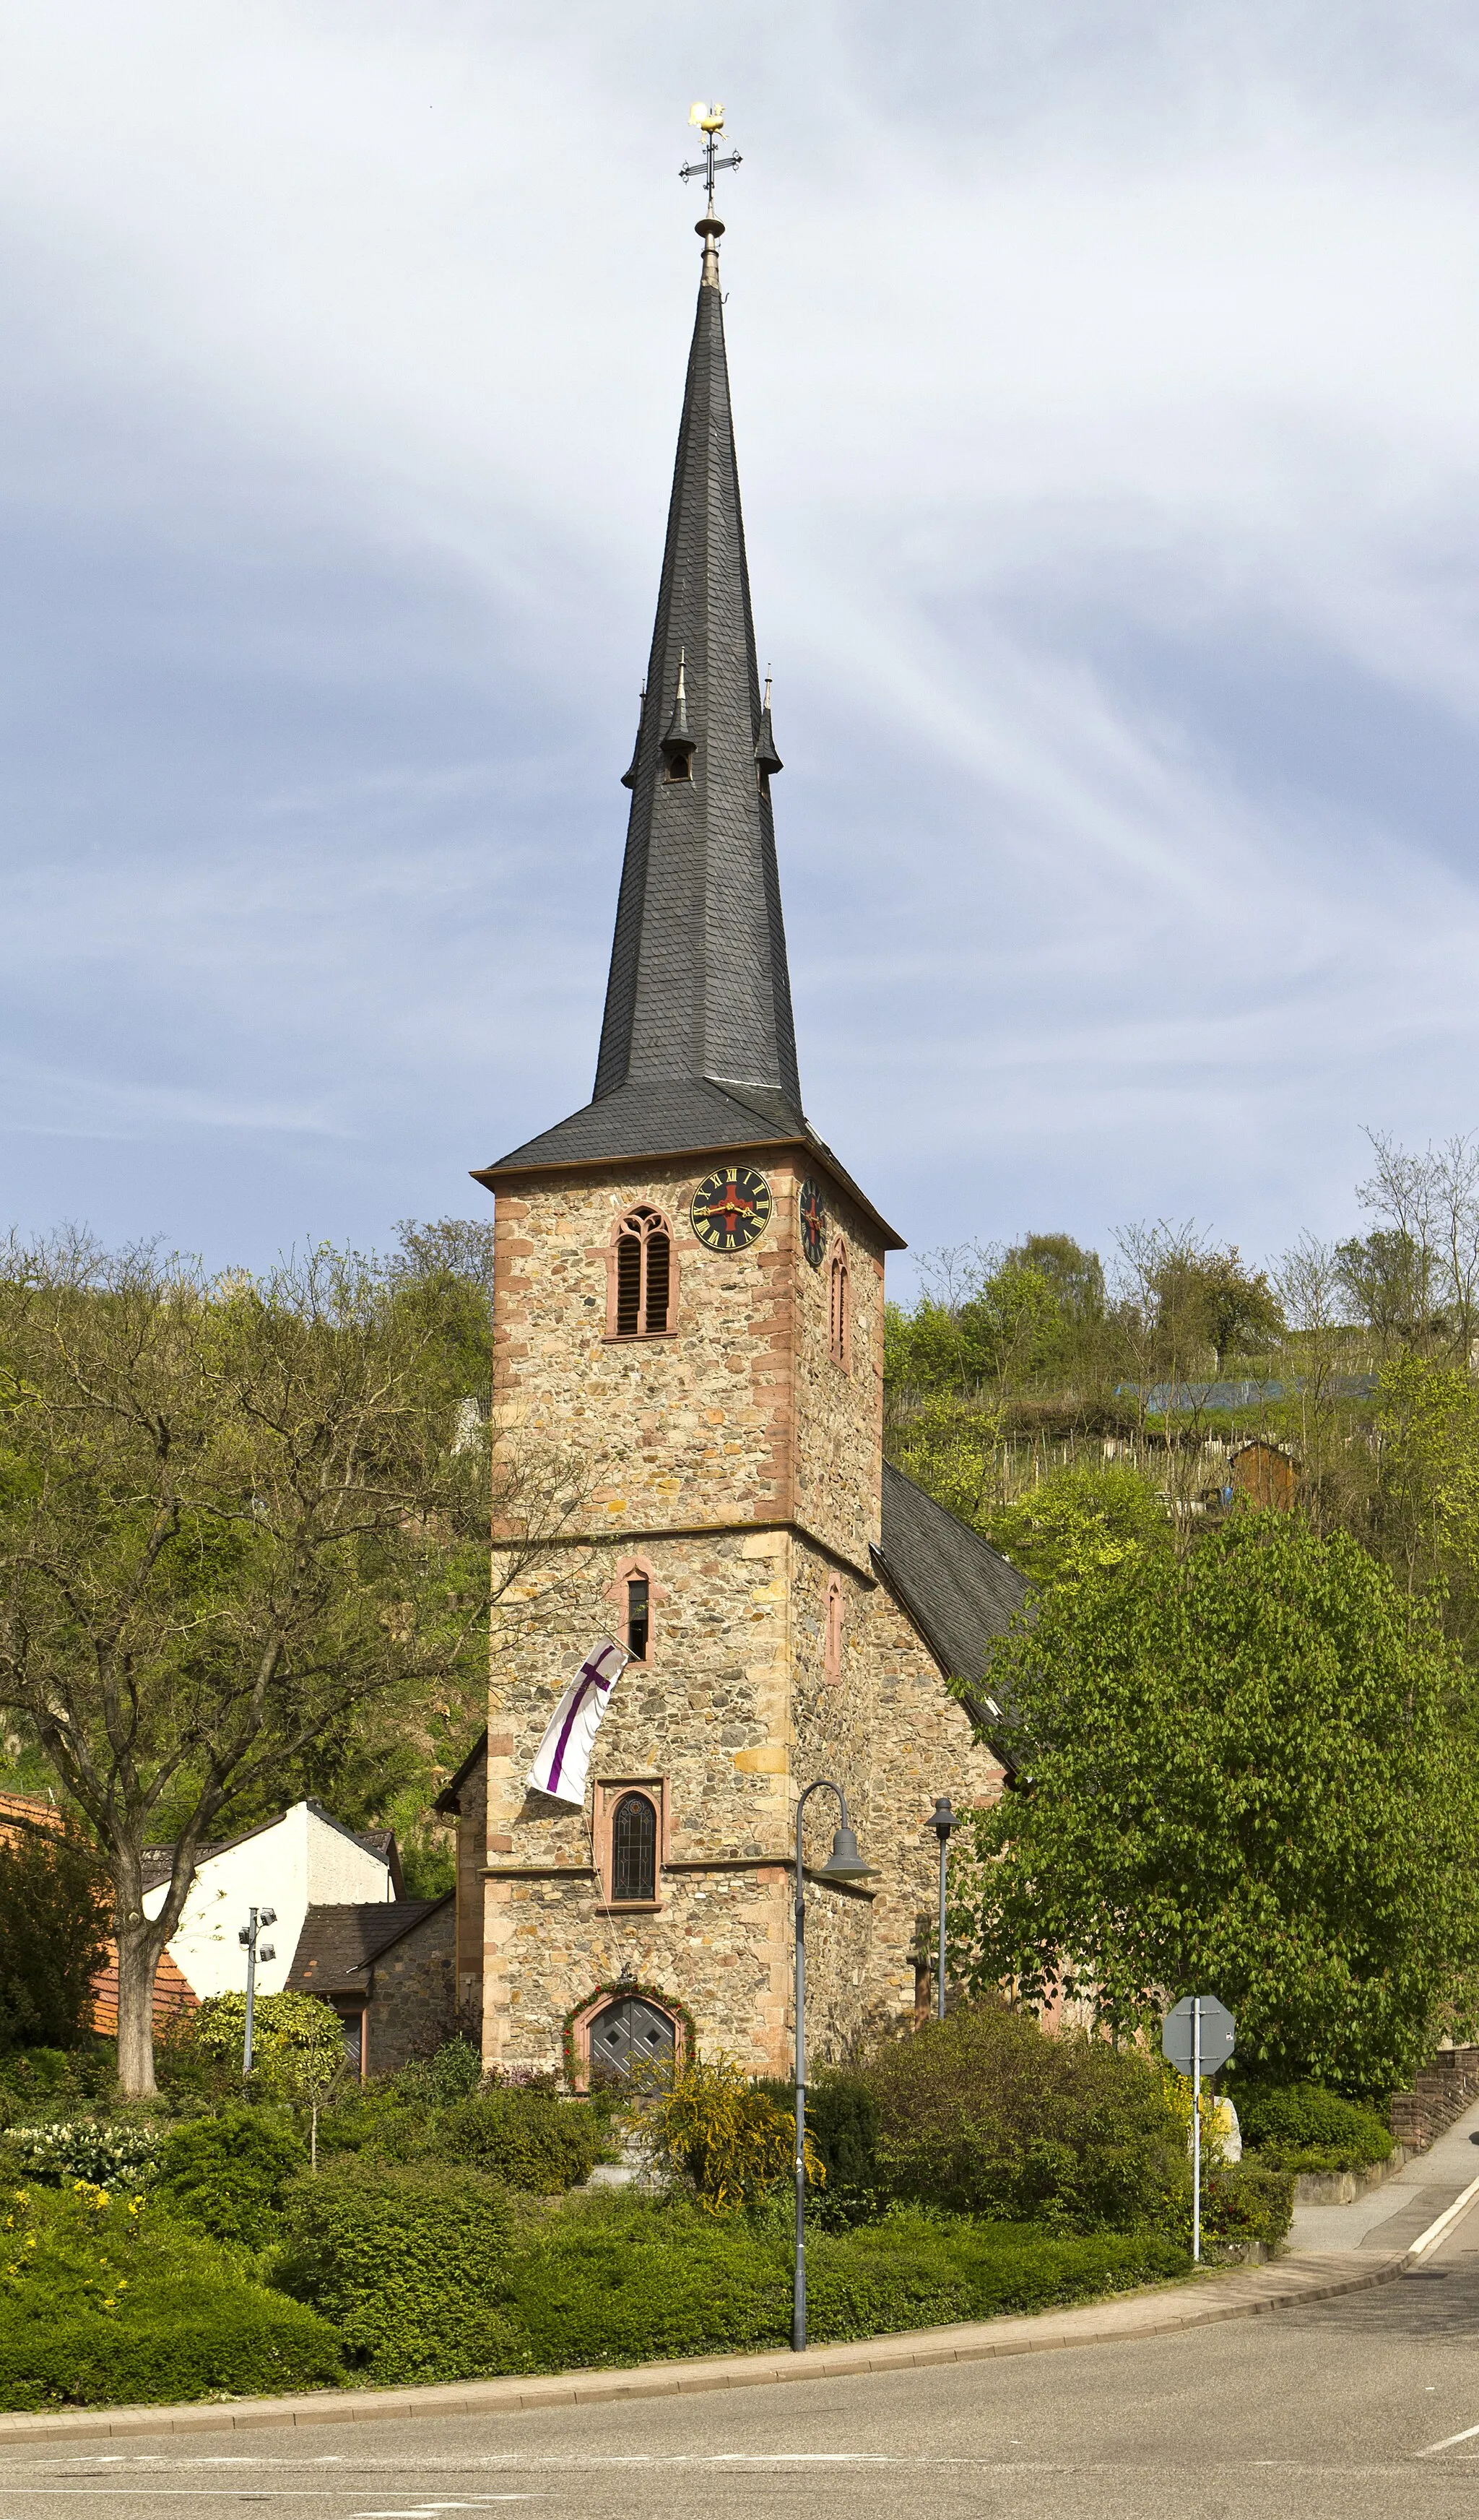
(1218, 2033)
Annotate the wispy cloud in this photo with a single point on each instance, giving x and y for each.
(1107, 385)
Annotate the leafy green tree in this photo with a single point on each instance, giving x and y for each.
(1426, 1518)
(52, 1935)
(1242, 1776)
(233, 1512)
(1080, 1522)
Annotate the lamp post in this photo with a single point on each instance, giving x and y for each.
(256, 1950)
(844, 1863)
(942, 1820)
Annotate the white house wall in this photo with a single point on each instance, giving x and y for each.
(300, 1862)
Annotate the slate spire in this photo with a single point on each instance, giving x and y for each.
(699, 985)
(697, 1045)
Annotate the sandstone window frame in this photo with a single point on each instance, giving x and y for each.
(840, 1305)
(611, 1793)
(835, 1618)
(635, 1236)
(630, 1571)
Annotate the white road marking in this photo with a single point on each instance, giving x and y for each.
(1440, 2229)
(1434, 2447)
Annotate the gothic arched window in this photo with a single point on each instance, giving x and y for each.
(840, 1330)
(642, 1279)
(634, 1848)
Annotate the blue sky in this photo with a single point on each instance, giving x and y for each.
(1106, 383)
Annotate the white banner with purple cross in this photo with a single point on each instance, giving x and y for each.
(564, 1754)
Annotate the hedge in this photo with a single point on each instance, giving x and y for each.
(116, 2304)
(432, 2276)
(405, 2261)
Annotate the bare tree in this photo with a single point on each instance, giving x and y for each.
(1417, 1276)
(231, 1511)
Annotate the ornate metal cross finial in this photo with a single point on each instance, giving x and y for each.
(709, 119)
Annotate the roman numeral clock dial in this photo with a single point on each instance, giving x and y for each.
(731, 1209)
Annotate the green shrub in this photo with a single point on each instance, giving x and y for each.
(527, 2138)
(842, 2128)
(1299, 2125)
(228, 2175)
(109, 2156)
(406, 2262)
(53, 1934)
(1247, 2201)
(115, 2304)
(51, 2082)
(298, 2042)
(450, 2073)
(714, 2131)
(984, 2114)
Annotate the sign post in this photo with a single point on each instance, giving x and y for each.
(1197, 2036)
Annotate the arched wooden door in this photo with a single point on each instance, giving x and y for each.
(628, 2034)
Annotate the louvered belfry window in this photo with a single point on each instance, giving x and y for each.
(643, 1273)
(634, 1848)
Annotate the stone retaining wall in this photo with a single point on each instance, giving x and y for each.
(1440, 2093)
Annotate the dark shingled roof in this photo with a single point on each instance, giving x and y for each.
(158, 1861)
(339, 1944)
(959, 1590)
(697, 1045)
(447, 1800)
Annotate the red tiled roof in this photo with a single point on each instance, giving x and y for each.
(172, 1995)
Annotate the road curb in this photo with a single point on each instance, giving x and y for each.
(1202, 2302)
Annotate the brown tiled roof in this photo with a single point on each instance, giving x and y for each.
(339, 1944)
(172, 1995)
(22, 1815)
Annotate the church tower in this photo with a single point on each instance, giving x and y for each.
(689, 1300)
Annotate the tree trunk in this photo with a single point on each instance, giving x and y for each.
(139, 1949)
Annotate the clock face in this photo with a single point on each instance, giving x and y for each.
(732, 1209)
(813, 1212)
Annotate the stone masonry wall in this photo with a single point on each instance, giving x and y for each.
(739, 1414)
(740, 1467)
(412, 1994)
(735, 1714)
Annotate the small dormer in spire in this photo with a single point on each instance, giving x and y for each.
(767, 759)
(677, 745)
(629, 775)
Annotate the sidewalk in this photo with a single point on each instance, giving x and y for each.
(1391, 2218)
(1350, 2249)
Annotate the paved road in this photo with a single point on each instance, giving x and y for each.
(1333, 2413)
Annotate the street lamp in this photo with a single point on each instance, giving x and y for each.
(844, 1863)
(942, 1820)
(257, 1919)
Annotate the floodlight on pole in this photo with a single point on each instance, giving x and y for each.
(844, 1866)
(249, 1938)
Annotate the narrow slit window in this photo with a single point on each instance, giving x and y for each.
(644, 1275)
(832, 1649)
(634, 1848)
(639, 1616)
(841, 1326)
